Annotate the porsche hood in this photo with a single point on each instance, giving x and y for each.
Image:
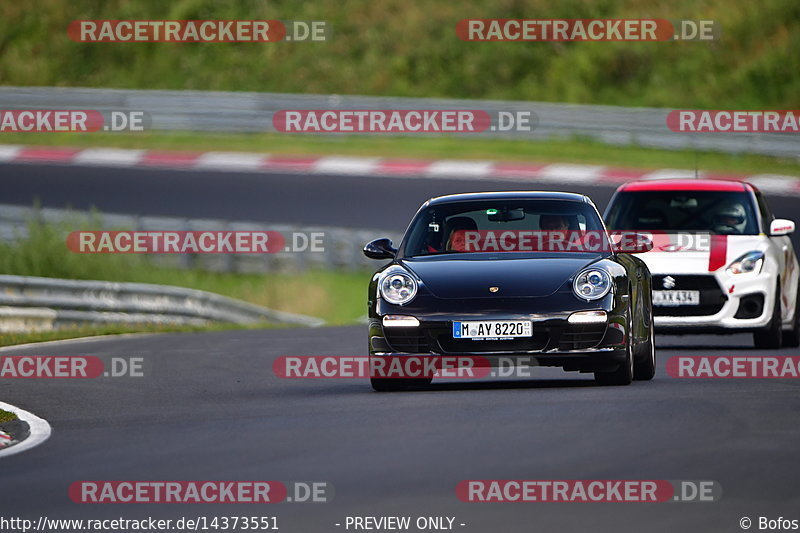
(449, 277)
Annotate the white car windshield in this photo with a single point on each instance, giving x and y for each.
(718, 212)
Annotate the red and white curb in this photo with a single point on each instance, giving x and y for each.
(39, 428)
(568, 174)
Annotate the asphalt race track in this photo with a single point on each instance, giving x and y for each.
(210, 408)
(386, 203)
(382, 203)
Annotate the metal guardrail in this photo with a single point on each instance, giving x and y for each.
(207, 111)
(342, 246)
(36, 304)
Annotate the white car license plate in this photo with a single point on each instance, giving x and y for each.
(676, 298)
(492, 329)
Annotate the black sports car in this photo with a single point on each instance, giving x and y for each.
(504, 275)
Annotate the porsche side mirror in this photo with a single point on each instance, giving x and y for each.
(781, 226)
(632, 243)
(380, 249)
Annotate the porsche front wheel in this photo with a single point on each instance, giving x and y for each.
(644, 367)
(623, 375)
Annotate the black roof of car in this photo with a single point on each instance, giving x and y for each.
(509, 195)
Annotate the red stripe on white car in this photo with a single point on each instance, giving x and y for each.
(718, 253)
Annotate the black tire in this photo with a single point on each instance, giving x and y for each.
(418, 383)
(388, 384)
(622, 375)
(398, 384)
(791, 337)
(644, 366)
(771, 337)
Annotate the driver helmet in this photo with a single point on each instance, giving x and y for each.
(730, 218)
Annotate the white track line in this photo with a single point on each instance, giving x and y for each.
(9, 152)
(345, 165)
(564, 173)
(109, 156)
(40, 430)
(773, 184)
(671, 173)
(459, 169)
(230, 161)
(90, 338)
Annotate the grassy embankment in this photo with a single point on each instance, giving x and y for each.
(336, 297)
(401, 48)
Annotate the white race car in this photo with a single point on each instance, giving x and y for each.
(721, 261)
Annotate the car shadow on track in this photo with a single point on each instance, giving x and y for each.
(740, 342)
(444, 386)
(704, 347)
(506, 384)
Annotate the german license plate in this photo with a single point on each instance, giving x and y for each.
(492, 329)
(676, 298)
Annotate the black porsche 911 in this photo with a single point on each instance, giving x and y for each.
(504, 275)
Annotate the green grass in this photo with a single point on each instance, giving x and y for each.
(406, 48)
(337, 297)
(5, 416)
(551, 151)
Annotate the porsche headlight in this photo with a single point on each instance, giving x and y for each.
(397, 286)
(592, 284)
(749, 263)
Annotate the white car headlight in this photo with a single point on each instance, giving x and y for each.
(749, 263)
(592, 284)
(397, 286)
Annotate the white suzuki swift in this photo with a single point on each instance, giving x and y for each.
(721, 261)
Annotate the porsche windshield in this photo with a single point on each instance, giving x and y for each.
(720, 212)
(522, 226)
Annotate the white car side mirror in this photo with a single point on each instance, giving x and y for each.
(781, 226)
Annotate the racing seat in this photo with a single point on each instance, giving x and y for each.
(652, 219)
